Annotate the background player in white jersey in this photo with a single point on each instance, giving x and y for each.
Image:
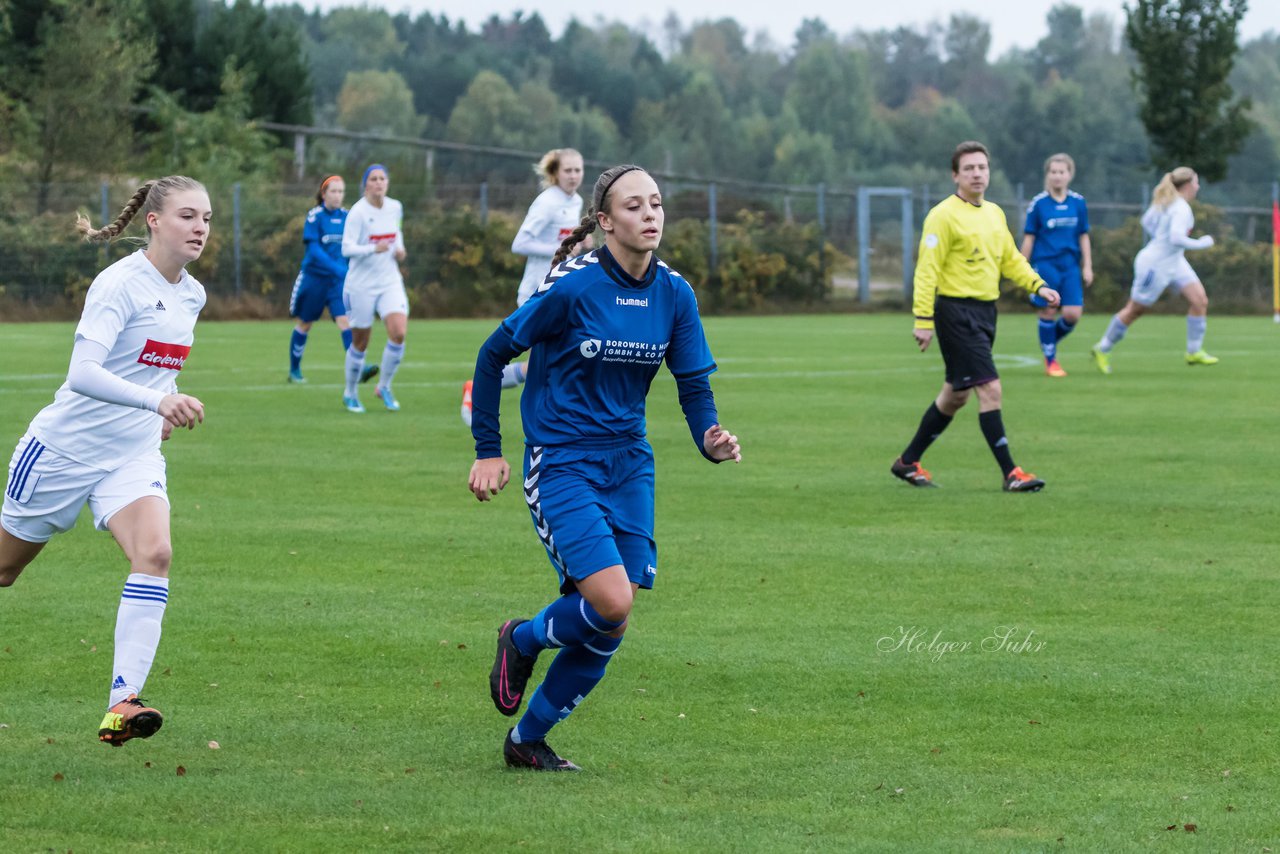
(99, 441)
(1162, 264)
(373, 243)
(552, 217)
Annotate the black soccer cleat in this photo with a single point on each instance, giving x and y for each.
(534, 755)
(368, 373)
(913, 473)
(511, 671)
(1020, 481)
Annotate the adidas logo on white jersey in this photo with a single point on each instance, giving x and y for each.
(159, 306)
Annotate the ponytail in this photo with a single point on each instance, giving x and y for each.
(1167, 190)
(147, 198)
(579, 234)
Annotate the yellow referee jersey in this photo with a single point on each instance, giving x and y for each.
(964, 251)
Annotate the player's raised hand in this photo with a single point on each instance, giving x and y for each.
(181, 410)
(721, 445)
(488, 477)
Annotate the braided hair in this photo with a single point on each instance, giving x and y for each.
(147, 198)
(599, 202)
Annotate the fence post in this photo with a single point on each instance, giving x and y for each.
(1020, 197)
(484, 202)
(431, 168)
(864, 247)
(822, 233)
(908, 231)
(712, 227)
(299, 155)
(235, 225)
(105, 213)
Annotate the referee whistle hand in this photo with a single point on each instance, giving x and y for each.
(721, 445)
(488, 477)
(181, 410)
(923, 337)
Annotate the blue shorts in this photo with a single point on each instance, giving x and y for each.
(312, 294)
(593, 509)
(1063, 275)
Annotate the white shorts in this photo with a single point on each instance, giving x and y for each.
(362, 303)
(1150, 281)
(45, 490)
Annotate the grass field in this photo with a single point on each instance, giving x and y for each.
(336, 591)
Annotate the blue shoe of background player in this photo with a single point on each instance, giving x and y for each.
(388, 399)
(353, 405)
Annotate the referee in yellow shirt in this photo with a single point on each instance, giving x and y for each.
(965, 249)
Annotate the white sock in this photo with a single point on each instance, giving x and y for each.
(1195, 332)
(513, 375)
(391, 356)
(355, 365)
(137, 633)
(1115, 332)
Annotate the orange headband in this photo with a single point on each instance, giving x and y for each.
(325, 182)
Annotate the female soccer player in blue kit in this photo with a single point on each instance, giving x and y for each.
(598, 329)
(319, 282)
(1056, 242)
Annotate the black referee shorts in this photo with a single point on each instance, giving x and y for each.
(966, 330)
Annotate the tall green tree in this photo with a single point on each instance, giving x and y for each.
(83, 68)
(1185, 51)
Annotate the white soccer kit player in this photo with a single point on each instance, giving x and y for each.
(551, 218)
(105, 448)
(1161, 263)
(373, 282)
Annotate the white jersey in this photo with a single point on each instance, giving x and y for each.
(1169, 235)
(366, 228)
(551, 218)
(147, 325)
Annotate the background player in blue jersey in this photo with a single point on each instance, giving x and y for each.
(319, 282)
(1056, 241)
(598, 329)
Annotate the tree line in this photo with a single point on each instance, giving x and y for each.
(92, 87)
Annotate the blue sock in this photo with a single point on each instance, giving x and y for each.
(346, 340)
(297, 344)
(1048, 339)
(1064, 329)
(570, 678)
(568, 621)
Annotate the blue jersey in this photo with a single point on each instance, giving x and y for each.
(597, 338)
(322, 234)
(1057, 226)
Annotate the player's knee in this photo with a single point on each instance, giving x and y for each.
(154, 558)
(615, 606)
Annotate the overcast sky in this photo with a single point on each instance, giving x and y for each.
(1014, 23)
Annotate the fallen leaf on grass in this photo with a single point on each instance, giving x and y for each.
(1226, 773)
(410, 770)
(1230, 808)
(1034, 723)
(1189, 828)
(146, 764)
(58, 778)
(182, 771)
(462, 646)
(213, 745)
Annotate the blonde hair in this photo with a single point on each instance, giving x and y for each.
(548, 168)
(600, 201)
(1058, 158)
(1167, 190)
(147, 198)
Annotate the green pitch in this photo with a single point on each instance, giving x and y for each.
(831, 660)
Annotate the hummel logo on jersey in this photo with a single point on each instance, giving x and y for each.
(642, 303)
(159, 306)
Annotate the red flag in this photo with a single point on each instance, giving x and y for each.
(1275, 222)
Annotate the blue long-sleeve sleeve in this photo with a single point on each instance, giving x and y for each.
(699, 406)
(486, 391)
(317, 255)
